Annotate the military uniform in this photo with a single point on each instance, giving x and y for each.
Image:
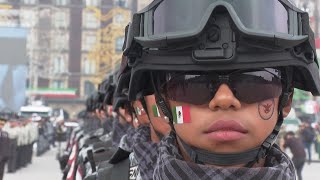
(13, 132)
(4, 151)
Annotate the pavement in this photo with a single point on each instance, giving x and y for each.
(310, 171)
(46, 167)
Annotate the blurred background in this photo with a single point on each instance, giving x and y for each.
(54, 53)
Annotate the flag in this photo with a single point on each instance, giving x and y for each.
(138, 111)
(70, 175)
(79, 174)
(155, 111)
(181, 114)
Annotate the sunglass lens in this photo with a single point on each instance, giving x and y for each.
(189, 89)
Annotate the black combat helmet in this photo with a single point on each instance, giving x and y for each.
(223, 35)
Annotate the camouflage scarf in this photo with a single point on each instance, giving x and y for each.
(127, 139)
(118, 131)
(170, 165)
(145, 152)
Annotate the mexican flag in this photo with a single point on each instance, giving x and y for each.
(155, 110)
(138, 111)
(181, 114)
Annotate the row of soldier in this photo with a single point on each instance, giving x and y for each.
(22, 134)
(115, 135)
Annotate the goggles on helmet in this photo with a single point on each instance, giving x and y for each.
(166, 22)
(248, 86)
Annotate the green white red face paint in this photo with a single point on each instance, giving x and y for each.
(139, 111)
(181, 114)
(155, 110)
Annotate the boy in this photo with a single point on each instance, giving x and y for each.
(225, 81)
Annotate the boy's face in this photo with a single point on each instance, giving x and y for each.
(126, 114)
(226, 125)
(109, 110)
(159, 123)
(98, 114)
(102, 114)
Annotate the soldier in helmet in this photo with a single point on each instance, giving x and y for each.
(141, 142)
(223, 72)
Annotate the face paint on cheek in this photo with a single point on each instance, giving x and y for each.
(140, 111)
(181, 114)
(155, 111)
(266, 109)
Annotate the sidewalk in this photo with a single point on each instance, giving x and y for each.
(45, 167)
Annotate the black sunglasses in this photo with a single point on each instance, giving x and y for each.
(248, 86)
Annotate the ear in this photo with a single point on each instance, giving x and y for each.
(287, 108)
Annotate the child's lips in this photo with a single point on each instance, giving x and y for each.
(226, 130)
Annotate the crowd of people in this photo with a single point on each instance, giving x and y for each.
(20, 136)
(300, 143)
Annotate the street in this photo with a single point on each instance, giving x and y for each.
(46, 167)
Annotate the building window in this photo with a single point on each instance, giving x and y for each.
(90, 20)
(89, 66)
(59, 65)
(119, 44)
(27, 18)
(92, 2)
(58, 84)
(29, 1)
(61, 41)
(121, 3)
(90, 40)
(60, 20)
(9, 17)
(61, 2)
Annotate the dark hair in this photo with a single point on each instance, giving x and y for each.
(290, 133)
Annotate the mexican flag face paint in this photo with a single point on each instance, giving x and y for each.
(155, 111)
(181, 114)
(138, 111)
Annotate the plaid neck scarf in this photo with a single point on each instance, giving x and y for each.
(170, 165)
(126, 141)
(107, 125)
(145, 152)
(118, 131)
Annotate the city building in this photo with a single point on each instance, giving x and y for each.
(71, 44)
